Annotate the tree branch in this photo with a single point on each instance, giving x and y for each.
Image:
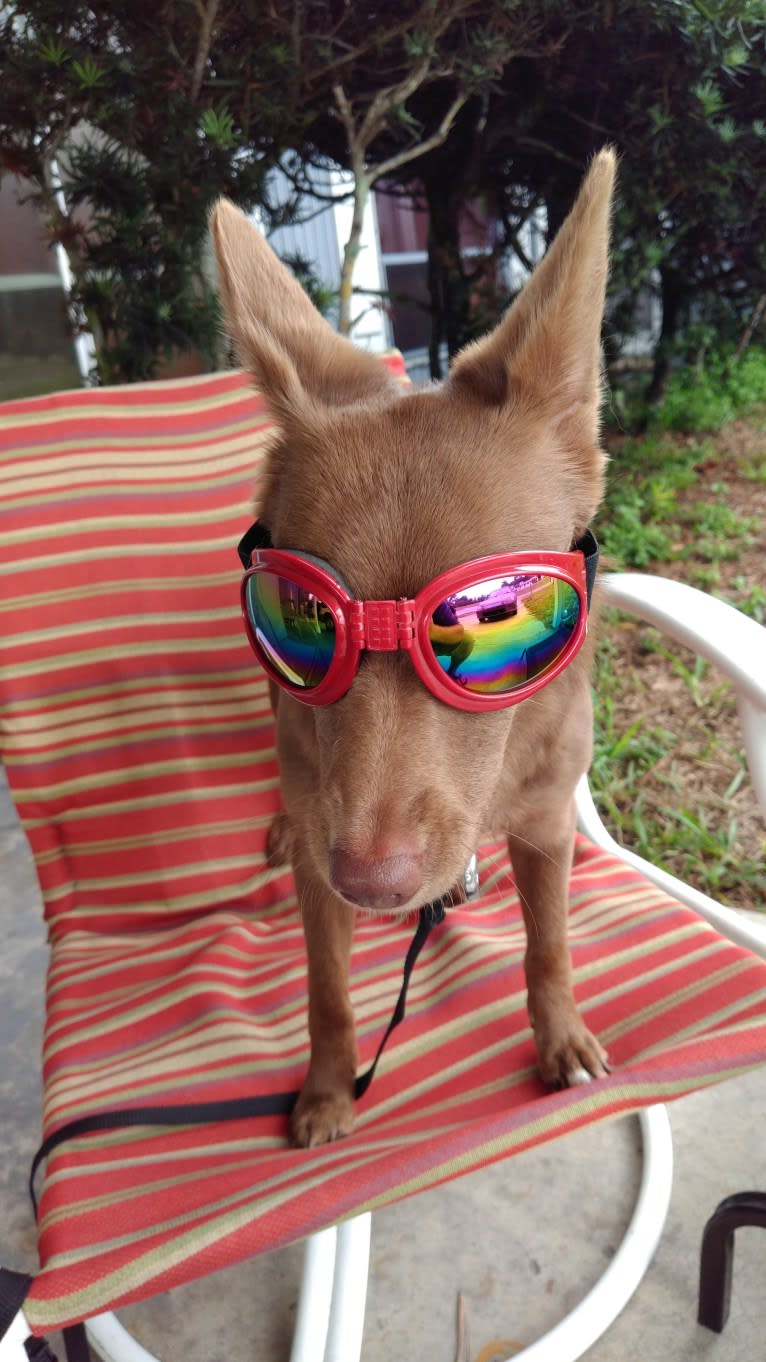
(385, 100)
(207, 15)
(435, 140)
(439, 19)
(304, 186)
(757, 315)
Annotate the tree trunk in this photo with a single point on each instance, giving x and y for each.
(436, 309)
(362, 183)
(449, 287)
(673, 298)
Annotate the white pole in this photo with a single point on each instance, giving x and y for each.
(310, 1333)
(84, 348)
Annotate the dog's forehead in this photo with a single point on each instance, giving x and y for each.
(392, 495)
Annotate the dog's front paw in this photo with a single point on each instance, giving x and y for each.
(570, 1055)
(319, 1117)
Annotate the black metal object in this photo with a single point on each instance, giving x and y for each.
(717, 1254)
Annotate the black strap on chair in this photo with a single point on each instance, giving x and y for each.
(235, 1108)
(76, 1344)
(14, 1285)
(13, 1291)
(14, 1288)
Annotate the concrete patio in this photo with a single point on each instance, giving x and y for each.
(522, 1241)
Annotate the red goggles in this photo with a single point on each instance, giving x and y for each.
(481, 636)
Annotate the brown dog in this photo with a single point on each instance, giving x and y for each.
(388, 791)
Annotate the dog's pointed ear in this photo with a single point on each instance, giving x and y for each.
(292, 352)
(548, 346)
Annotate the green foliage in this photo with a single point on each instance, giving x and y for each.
(694, 403)
(196, 100)
(203, 99)
(720, 534)
(751, 599)
(140, 282)
(88, 73)
(638, 781)
(652, 519)
(218, 125)
(142, 116)
(705, 398)
(639, 521)
(631, 538)
(636, 522)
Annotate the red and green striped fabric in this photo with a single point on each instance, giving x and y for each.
(137, 739)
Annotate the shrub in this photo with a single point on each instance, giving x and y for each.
(700, 399)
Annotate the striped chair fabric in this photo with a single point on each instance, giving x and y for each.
(137, 738)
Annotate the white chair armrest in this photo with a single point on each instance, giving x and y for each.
(712, 628)
(747, 930)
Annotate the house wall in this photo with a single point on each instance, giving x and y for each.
(36, 351)
(320, 238)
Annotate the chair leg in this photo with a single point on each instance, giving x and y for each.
(330, 1320)
(340, 1337)
(717, 1254)
(578, 1331)
(12, 1343)
(314, 1301)
(113, 1343)
(330, 1317)
(349, 1291)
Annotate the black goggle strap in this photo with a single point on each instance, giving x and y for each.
(587, 545)
(258, 537)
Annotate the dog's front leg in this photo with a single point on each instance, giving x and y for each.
(325, 1108)
(567, 1051)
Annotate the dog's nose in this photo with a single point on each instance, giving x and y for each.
(382, 882)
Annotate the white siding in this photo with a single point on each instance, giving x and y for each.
(319, 241)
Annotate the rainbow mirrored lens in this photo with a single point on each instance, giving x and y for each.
(294, 628)
(497, 635)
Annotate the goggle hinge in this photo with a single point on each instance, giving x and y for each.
(383, 626)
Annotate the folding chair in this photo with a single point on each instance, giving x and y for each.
(137, 740)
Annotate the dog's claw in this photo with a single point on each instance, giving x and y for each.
(573, 1060)
(578, 1076)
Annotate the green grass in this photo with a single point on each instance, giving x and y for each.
(642, 519)
(638, 777)
(650, 521)
(751, 598)
(636, 524)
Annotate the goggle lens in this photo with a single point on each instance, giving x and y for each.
(295, 629)
(497, 635)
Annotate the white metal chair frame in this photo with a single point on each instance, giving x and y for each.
(330, 1318)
